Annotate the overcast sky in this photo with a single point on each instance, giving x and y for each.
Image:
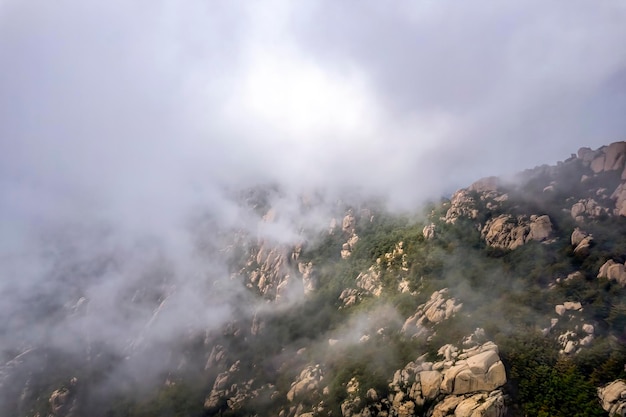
(138, 109)
(119, 119)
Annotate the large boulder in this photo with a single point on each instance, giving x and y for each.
(463, 383)
(266, 270)
(480, 372)
(309, 380)
(429, 231)
(438, 308)
(430, 382)
(588, 208)
(485, 185)
(309, 277)
(619, 196)
(370, 282)
(540, 228)
(613, 398)
(614, 272)
(508, 232)
(225, 390)
(581, 241)
(478, 405)
(462, 204)
(608, 158)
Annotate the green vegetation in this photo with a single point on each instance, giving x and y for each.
(511, 294)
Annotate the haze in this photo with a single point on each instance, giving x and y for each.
(121, 120)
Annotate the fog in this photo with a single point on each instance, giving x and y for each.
(124, 123)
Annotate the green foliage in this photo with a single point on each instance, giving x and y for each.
(541, 383)
(174, 400)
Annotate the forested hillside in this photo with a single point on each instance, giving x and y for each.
(506, 299)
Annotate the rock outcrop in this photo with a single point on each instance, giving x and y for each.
(267, 270)
(462, 204)
(588, 209)
(613, 271)
(607, 158)
(613, 398)
(509, 232)
(63, 402)
(482, 370)
(463, 383)
(619, 196)
(309, 277)
(368, 283)
(308, 380)
(485, 185)
(348, 228)
(429, 231)
(478, 405)
(581, 241)
(438, 308)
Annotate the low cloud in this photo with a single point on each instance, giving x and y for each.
(123, 124)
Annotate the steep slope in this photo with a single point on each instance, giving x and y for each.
(506, 299)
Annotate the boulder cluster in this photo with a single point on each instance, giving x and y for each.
(613, 398)
(509, 232)
(614, 271)
(437, 309)
(463, 384)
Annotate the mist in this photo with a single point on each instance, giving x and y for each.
(129, 130)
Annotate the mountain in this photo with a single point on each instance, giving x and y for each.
(507, 299)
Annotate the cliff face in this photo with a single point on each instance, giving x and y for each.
(507, 299)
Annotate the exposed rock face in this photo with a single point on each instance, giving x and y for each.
(568, 305)
(619, 196)
(309, 380)
(613, 271)
(581, 241)
(348, 224)
(485, 185)
(231, 391)
(348, 227)
(63, 402)
(429, 231)
(481, 372)
(462, 204)
(477, 405)
(222, 388)
(540, 228)
(588, 208)
(267, 270)
(609, 158)
(309, 278)
(467, 381)
(217, 358)
(370, 281)
(508, 232)
(435, 310)
(350, 296)
(346, 248)
(613, 398)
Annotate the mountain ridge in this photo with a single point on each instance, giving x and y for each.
(506, 299)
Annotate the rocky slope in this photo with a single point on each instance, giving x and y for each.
(506, 299)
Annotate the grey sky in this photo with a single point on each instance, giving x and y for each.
(135, 115)
(145, 106)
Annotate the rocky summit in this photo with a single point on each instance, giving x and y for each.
(506, 299)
